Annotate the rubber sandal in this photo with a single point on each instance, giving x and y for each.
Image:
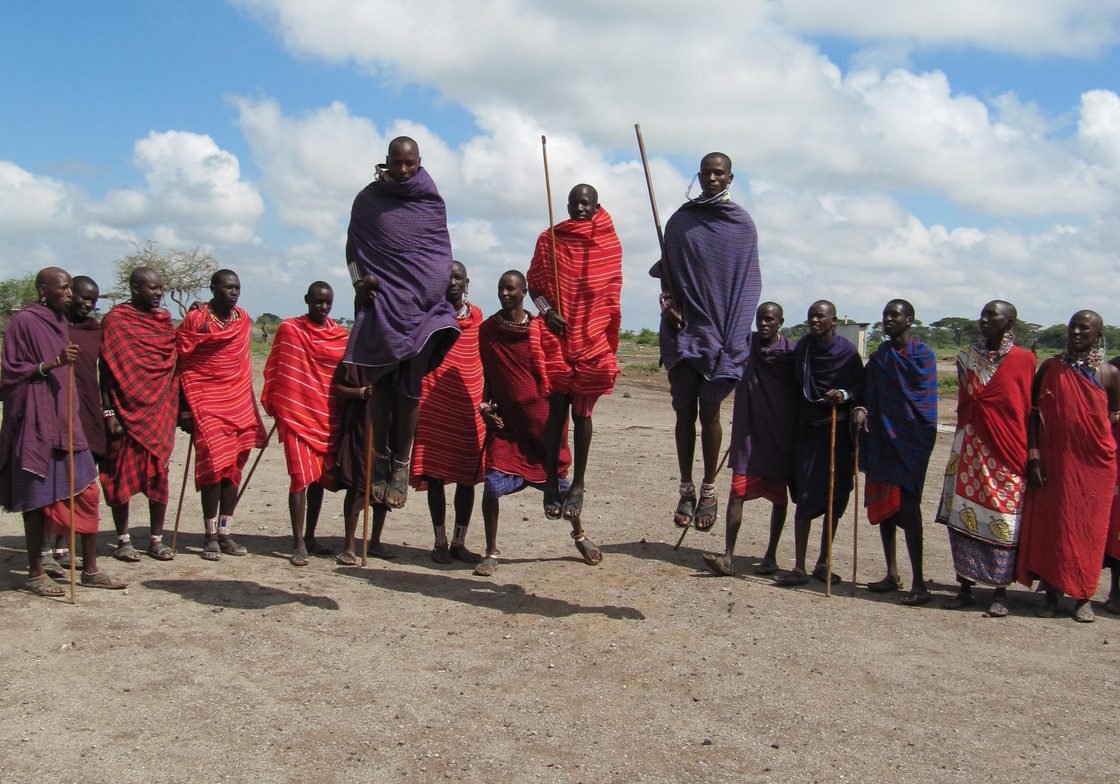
(573, 505)
(346, 558)
(460, 553)
(43, 585)
(766, 568)
(819, 575)
(487, 566)
(102, 580)
(161, 551)
(231, 547)
(686, 511)
(553, 503)
(717, 565)
(997, 609)
(315, 547)
(915, 598)
(441, 554)
(592, 556)
(887, 585)
(299, 557)
(211, 551)
(707, 510)
(127, 553)
(379, 482)
(792, 579)
(53, 568)
(1048, 609)
(1083, 612)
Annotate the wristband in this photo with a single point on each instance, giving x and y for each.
(1034, 454)
(108, 412)
(543, 305)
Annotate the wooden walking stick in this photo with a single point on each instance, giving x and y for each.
(369, 481)
(831, 490)
(182, 493)
(256, 462)
(70, 457)
(551, 229)
(719, 468)
(666, 279)
(855, 519)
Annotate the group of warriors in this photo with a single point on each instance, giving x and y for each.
(424, 392)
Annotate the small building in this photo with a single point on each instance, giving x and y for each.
(855, 331)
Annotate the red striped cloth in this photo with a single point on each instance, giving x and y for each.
(882, 499)
(589, 266)
(297, 393)
(218, 384)
(138, 370)
(513, 375)
(749, 487)
(86, 511)
(449, 431)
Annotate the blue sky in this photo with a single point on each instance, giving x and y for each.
(946, 156)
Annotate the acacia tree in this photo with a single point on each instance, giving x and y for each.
(184, 272)
(14, 294)
(963, 329)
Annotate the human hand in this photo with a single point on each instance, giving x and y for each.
(555, 321)
(1036, 474)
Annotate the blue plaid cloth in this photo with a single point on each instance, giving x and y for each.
(901, 400)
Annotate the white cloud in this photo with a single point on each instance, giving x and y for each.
(193, 192)
(1067, 27)
(755, 90)
(29, 203)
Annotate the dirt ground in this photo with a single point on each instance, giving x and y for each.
(645, 668)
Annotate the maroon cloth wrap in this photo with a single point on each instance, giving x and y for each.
(35, 408)
(87, 334)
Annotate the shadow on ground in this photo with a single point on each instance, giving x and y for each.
(238, 594)
(504, 597)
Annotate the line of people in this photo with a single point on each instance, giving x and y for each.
(1030, 487)
(425, 392)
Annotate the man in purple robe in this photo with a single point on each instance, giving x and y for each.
(36, 437)
(830, 372)
(85, 331)
(398, 252)
(762, 431)
(707, 303)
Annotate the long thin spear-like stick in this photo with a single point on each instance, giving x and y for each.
(369, 481)
(855, 520)
(831, 490)
(182, 494)
(668, 281)
(256, 462)
(552, 229)
(70, 456)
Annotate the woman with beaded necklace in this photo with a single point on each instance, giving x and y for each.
(1071, 468)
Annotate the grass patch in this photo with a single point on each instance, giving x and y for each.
(642, 367)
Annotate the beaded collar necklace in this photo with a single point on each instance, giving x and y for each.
(523, 324)
(1089, 361)
(1006, 343)
(223, 323)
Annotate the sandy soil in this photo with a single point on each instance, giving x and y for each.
(643, 669)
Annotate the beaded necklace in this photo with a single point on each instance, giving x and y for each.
(523, 324)
(1088, 361)
(464, 312)
(223, 323)
(1006, 343)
